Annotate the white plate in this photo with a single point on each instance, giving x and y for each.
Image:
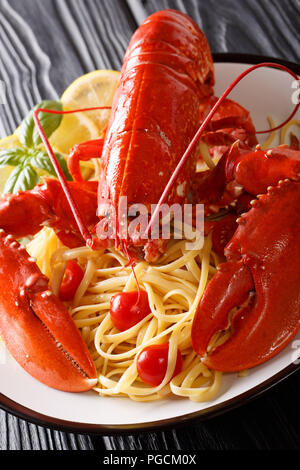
(264, 92)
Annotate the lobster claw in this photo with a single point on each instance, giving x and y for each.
(257, 170)
(36, 326)
(261, 279)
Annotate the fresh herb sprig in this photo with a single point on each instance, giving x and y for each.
(31, 156)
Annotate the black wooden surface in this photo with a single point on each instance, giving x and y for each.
(44, 45)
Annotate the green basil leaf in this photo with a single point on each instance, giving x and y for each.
(41, 160)
(29, 135)
(13, 156)
(22, 178)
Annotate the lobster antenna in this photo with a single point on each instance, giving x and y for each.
(204, 125)
(62, 179)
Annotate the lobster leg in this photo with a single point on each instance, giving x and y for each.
(36, 326)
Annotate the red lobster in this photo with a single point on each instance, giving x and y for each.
(165, 92)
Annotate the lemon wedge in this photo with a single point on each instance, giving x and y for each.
(96, 88)
(74, 129)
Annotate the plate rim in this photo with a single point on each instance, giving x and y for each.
(40, 419)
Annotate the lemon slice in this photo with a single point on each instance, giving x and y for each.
(74, 129)
(8, 142)
(96, 88)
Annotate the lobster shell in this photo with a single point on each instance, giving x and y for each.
(167, 72)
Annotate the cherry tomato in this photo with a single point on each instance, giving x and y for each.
(127, 309)
(71, 280)
(223, 232)
(152, 363)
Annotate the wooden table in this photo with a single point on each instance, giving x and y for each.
(45, 44)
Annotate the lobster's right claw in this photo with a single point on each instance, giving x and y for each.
(37, 327)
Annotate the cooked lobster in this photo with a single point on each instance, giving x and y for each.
(165, 92)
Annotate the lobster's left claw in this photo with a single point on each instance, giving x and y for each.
(257, 170)
(261, 279)
(36, 326)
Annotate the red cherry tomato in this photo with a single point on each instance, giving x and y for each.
(71, 280)
(152, 363)
(127, 309)
(223, 232)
